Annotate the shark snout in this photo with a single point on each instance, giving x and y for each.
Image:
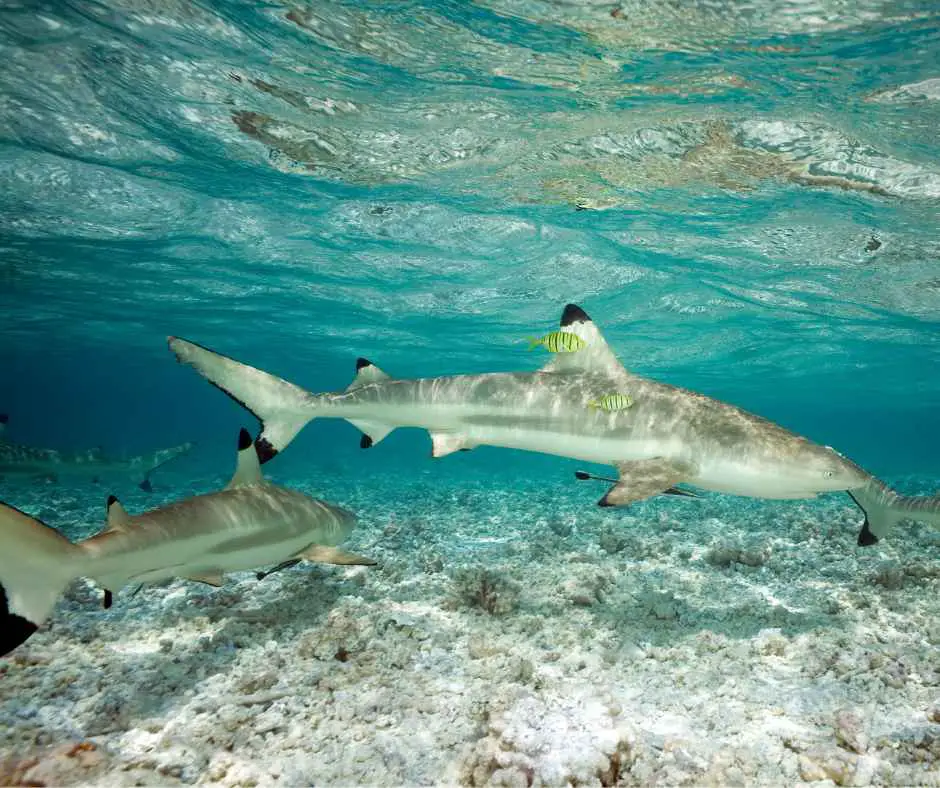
(832, 472)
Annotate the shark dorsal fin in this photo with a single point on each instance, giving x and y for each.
(4, 420)
(118, 518)
(595, 357)
(366, 372)
(248, 468)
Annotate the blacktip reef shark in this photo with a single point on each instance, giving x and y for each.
(248, 524)
(22, 460)
(668, 436)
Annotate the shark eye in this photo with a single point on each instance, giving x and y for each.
(828, 474)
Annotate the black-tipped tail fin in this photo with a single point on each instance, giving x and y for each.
(281, 407)
(884, 509)
(36, 564)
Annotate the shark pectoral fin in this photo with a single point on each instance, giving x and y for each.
(366, 373)
(681, 493)
(118, 518)
(145, 485)
(372, 432)
(444, 443)
(248, 468)
(322, 554)
(643, 479)
(596, 356)
(209, 578)
(280, 567)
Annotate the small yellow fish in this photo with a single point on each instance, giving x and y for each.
(558, 342)
(612, 402)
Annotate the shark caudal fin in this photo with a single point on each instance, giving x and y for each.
(281, 407)
(36, 564)
(159, 459)
(884, 508)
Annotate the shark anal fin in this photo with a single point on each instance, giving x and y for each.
(372, 430)
(322, 554)
(642, 479)
(444, 443)
(209, 578)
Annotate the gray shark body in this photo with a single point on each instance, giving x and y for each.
(667, 436)
(18, 459)
(249, 524)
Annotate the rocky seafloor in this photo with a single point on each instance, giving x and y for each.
(517, 636)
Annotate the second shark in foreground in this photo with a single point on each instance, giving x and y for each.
(248, 524)
(667, 436)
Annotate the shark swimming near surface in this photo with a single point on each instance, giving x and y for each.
(22, 460)
(667, 436)
(248, 524)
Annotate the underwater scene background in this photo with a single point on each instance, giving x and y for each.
(743, 195)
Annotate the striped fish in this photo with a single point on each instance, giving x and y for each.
(612, 402)
(558, 342)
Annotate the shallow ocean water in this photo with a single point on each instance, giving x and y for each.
(744, 196)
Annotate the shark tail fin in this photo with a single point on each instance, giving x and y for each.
(884, 508)
(281, 407)
(159, 459)
(36, 564)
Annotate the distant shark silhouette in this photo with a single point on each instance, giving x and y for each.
(19, 459)
(249, 523)
(668, 436)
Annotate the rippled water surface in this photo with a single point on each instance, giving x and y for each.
(744, 195)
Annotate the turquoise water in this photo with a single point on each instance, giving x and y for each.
(743, 195)
(297, 186)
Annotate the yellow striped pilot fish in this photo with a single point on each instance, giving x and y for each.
(558, 342)
(612, 402)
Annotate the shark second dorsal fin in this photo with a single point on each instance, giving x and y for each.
(118, 518)
(372, 432)
(595, 357)
(248, 469)
(366, 373)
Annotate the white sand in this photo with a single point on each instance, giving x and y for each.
(633, 653)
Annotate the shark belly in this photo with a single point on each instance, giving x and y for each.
(738, 478)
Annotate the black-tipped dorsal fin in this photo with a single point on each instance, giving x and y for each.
(366, 372)
(118, 518)
(595, 357)
(4, 420)
(248, 466)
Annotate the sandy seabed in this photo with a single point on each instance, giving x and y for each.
(508, 637)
